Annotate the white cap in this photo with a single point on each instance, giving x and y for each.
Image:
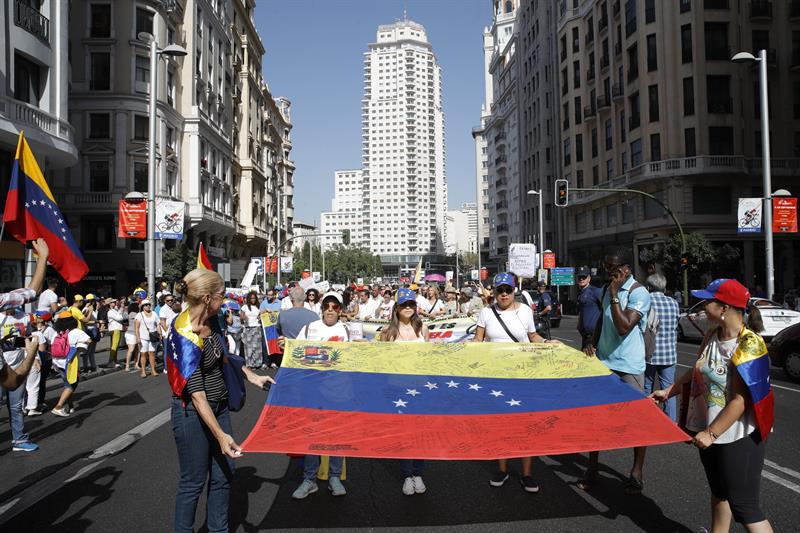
(335, 295)
(145, 302)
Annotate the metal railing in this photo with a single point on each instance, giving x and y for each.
(27, 114)
(31, 20)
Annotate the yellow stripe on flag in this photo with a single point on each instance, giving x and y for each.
(29, 166)
(72, 371)
(469, 359)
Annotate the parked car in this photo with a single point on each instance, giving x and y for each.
(784, 351)
(693, 323)
(533, 296)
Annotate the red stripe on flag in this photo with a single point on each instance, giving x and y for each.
(71, 267)
(461, 437)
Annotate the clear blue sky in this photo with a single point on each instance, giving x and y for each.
(315, 58)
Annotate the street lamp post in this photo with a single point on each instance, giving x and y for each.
(175, 51)
(766, 209)
(541, 223)
(281, 197)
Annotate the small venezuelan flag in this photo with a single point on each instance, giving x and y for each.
(182, 353)
(751, 360)
(203, 261)
(31, 212)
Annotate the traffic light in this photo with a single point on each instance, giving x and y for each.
(684, 262)
(562, 193)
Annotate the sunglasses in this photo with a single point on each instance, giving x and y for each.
(331, 307)
(408, 305)
(505, 289)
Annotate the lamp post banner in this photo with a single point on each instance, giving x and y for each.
(749, 215)
(784, 215)
(132, 220)
(169, 219)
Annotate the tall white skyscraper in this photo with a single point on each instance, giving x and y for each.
(404, 183)
(346, 210)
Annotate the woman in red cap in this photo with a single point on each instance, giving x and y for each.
(730, 409)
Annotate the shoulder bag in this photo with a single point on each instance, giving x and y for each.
(500, 320)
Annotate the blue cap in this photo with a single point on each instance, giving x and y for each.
(232, 305)
(504, 278)
(405, 295)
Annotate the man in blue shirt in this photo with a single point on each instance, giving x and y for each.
(619, 343)
(270, 303)
(589, 305)
(544, 304)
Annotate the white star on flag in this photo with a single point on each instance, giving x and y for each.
(400, 403)
(496, 393)
(452, 384)
(475, 386)
(60, 221)
(431, 386)
(513, 402)
(27, 204)
(412, 392)
(41, 202)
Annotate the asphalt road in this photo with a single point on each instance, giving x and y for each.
(73, 485)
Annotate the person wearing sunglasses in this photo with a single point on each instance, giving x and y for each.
(406, 326)
(147, 335)
(508, 321)
(328, 328)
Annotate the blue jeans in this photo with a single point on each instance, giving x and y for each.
(666, 377)
(412, 467)
(312, 465)
(14, 401)
(200, 458)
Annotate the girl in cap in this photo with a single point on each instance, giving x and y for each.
(41, 367)
(147, 334)
(251, 335)
(407, 326)
(730, 407)
(508, 321)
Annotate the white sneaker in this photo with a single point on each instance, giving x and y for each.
(419, 485)
(408, 486)
(59, 412)
(33, 412)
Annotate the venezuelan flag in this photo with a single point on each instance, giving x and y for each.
(751, 360)
(31, 212)
(182, 353)
(72, 366)
(269, 324)
(203, 261)
(451, 401)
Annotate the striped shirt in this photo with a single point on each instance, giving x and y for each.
(208, 376)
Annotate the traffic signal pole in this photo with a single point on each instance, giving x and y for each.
(674, 220)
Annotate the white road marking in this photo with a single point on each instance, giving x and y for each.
(780, 481)
(129, 437)
(85, 470)
(6, 506)
(783, 469)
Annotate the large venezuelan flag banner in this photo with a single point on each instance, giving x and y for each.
(451, 401)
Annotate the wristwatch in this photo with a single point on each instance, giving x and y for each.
(614, 301)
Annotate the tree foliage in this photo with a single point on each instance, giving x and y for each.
(704, 258)
(177, 262)
(345, 263)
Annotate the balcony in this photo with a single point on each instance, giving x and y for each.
(30, 20)
(501, 205)
(760, 10)
(51, 134)
(603, 23)
(603, 101)
(589, 113)
(500, 161)
(617, 49)
(720, 105)
(605, 61)
(502, 228)
(634, 121)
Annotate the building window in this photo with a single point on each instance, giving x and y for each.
(690, 146)
(100, 21)
(655, 147)
(628, 212)
(611, 215)
(142, 69)
(100, 71)
(597, 218)
(633, 63)
(652, 53)
(609, 135)
(652, 93)
(98, 232)
(594, 142)
(688, 96)
(622, 126)
(636, 117)
(567, 153)
(630, 17)
(99, 125)
(649, 11)
(595, 175)
(144, 21)
(27, 81)
(653, 209)
(98, 176)
(720, 140)
(717, 41)
(140, 127)
(610, 169)
(711, 200)
(719, 94)
(636, 153)
(686, 43)
(140, 177)
(578, 148)
(576, 74)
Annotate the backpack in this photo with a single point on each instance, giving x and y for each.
(650, 333)
(59, 349)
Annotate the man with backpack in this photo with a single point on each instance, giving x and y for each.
(619, 342)
(661, 362)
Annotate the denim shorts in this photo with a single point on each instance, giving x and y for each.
(67, 385)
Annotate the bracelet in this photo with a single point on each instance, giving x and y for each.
(713, 435)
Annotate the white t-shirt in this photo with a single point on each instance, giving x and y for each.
(167, 315)
(716, 370)
(45, 336)
(115, 320)
(366, 309)
(147, 324)
(316, 307)
(437, 306)
(286, 303)
(519, 322)
(386, 310)
(423, 304)
(77, 339)
(45, 299)
(251, 314)
(319, 331)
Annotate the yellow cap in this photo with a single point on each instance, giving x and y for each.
(77, 298)
(90, 296)
(64, 314)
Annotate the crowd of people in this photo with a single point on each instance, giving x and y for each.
(629, 326)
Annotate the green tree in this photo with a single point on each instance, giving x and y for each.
(702, 255)
(177, 262)
(345, 263)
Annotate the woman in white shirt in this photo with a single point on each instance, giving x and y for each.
(406, 326)
(384, 310)
(145, 324)
(115, 327)
(508, 321)
(312, 301)
(435, 304)
(251, 332)
(130, 337)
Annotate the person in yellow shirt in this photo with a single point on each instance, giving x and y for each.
(76, 311)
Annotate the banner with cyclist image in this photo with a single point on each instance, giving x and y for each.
(749, 215)
(169, 219)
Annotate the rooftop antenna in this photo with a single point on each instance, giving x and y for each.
(405, 11)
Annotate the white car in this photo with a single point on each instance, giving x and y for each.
(693, 323)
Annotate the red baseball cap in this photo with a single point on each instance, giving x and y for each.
(727, 291)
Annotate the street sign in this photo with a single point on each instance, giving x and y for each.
(549, 260)
(564, 276)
